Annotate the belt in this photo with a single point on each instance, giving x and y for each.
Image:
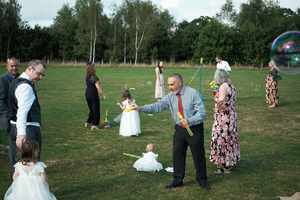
(27, 123)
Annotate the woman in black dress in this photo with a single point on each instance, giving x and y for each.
(92, 92)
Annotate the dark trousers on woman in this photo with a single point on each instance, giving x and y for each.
(32, 132)
(181, 141)
(94, 114)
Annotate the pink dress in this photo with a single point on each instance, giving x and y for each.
(225, 140)
(271, 89)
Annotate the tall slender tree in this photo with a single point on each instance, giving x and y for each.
(88, 15)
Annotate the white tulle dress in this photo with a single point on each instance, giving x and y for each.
(30, 184)
(130, 120)
(148, 163)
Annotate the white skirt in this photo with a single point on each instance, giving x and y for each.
(148, 163)
(29, 188)
(130, 123)
(159, 87)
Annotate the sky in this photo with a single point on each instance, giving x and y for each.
(42, 12)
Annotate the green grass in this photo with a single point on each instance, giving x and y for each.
(84, 164)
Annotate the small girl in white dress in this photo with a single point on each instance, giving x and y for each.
(130, 120)
(29, 179)
(148, 163)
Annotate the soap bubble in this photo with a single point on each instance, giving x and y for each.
(285, 52)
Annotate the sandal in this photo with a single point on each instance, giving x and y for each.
(272, 106)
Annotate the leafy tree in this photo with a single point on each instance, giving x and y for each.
(88, 13)
(34, 43)
(227, 14)
(64, 30)
(10, 21)
(185, 41)
(163, 33)
(215, 38)
(259, 23)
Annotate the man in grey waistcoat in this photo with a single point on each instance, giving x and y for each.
(24, 109)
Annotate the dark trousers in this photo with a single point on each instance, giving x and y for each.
(32, 132)
(181, 141)
(94, 114)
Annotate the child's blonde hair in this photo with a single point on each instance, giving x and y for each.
(150, 147)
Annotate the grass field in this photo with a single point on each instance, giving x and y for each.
(84, 164)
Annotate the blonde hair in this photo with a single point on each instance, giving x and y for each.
(150, 147)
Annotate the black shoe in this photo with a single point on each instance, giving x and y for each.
(174, 184)
(204, 185)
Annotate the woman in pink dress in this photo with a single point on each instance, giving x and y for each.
(272, 85)
(225, 141)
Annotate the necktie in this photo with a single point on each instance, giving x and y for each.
(180, 107)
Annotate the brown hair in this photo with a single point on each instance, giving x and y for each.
(90, 70)
(160, 67)
(126, 95)
(29, 152)
(12, 59)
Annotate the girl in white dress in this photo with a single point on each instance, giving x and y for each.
(130, 120)
(29, 179)
(159, 83)
(148, 163)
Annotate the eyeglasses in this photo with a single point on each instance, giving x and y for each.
(38, 73)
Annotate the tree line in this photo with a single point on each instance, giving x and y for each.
(140, 32)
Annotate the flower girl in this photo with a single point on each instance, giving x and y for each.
(130, 120)
(148, 162)
(29, 179)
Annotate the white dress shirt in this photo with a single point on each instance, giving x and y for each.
(223, 65)
(25, 97)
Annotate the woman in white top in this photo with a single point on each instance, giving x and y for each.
(159, 83)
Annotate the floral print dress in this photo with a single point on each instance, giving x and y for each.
(272, 88)
(225, 141)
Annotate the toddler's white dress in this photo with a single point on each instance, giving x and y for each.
(148, 163)
(29, 184)
(130, 120)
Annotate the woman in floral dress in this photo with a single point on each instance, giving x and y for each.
(225, 141)
(272, 85)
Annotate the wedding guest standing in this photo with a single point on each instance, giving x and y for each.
(92, 92)
(225, 141)
(159, 82)
(271, 81)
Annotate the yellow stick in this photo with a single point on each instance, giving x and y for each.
(190, 132)
(131, 155)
